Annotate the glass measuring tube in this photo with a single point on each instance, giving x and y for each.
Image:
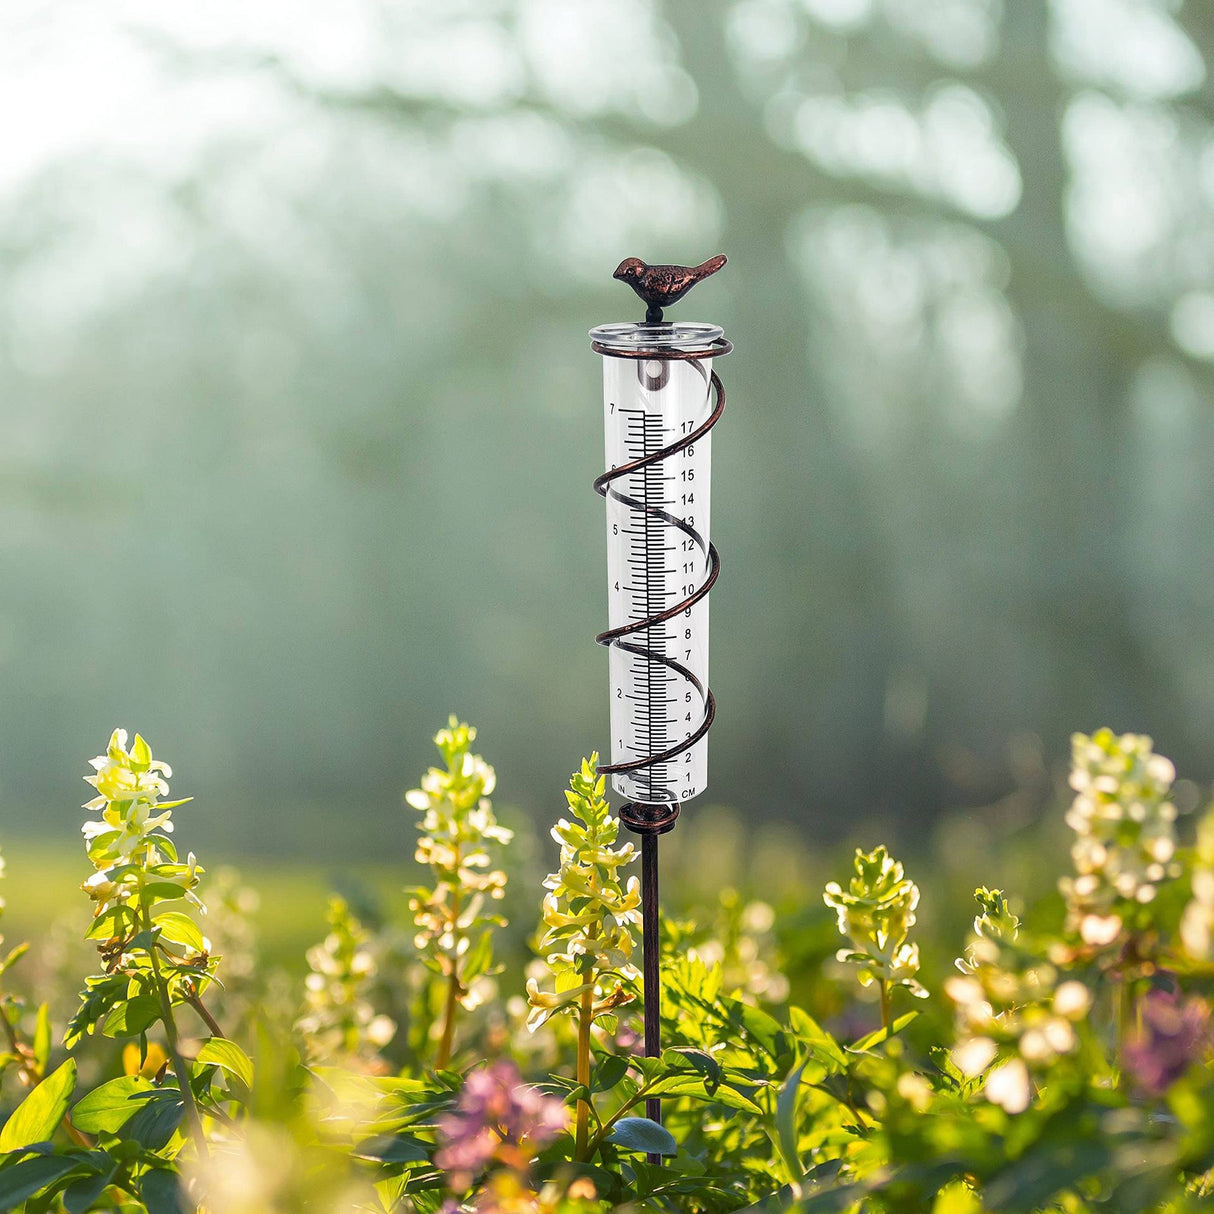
(658, 530)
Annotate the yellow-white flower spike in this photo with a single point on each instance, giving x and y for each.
(1125, 836)
(588, 916)
(876, 913)
(458, 834)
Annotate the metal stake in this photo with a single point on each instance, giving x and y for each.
(659, 286)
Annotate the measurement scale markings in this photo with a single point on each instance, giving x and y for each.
(652, 689)
(668, 559)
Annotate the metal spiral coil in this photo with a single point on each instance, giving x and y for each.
(651, 818)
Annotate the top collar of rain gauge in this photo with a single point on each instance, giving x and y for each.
(671, 340)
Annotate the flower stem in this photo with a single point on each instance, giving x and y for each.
(195, 1001)
(451, 1009)
(585, 1016)
(885, 1018)
(1127, 1015)
(449, 1013)
(80, 1138)
(29, 1070)
(180, 1070)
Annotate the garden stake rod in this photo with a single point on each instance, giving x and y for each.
(661, 399)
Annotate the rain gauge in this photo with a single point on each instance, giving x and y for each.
(658, 409)
(661, 399)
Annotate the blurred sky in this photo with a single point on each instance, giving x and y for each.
(300, 418)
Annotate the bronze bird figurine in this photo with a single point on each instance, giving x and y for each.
(660, 286)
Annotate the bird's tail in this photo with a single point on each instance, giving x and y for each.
(711, 266)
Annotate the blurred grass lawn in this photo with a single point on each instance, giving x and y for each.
(715, 850)
(42, 884)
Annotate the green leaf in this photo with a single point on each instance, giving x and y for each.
(641, 1134)
(578, 1092)
(144, 940)
(180, 929)
(786, 1124)
(956, 1198)
(567, 979)
(392, 1148)
(38, 1116)
(1029, 1182)
(761, 1028)
(14, 956)
(141, 754)
(650, 1068)
(418, 1180)
(82, 1195)
(162, 891)
(703, 1062)
(558, 1085)
(825, 1048)
(132, 1017)
(161, 1191)
(155, 1123)
(228, 1056)
(782, 1201)
(42, 1037)
(108, 1108)
(116, 921)
(101, 993)
(22, 1180)
(867, 1042)
(680, 1085)
(478, 958)
(731, 1098)
(608, 1073)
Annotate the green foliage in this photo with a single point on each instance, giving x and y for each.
(38, 1116)
(641, 1134)
(28, 1057)
(1051, 1076)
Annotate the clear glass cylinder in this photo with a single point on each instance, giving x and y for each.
(658, 530)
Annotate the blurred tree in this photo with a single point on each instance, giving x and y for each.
(300, 423)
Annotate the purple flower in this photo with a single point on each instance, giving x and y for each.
(1174, 1034)
(497, 1117)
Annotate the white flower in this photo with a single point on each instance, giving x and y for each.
(1072, 999)
(974, 1055)
(1125, 839)
(1059, 1036)
(1099, 929)
(915, 1090)
(1008, 1086)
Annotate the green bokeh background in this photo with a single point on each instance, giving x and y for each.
(299, 416)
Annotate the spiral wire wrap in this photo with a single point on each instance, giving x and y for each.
(650, 818)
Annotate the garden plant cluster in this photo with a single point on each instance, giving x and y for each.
(1062, 1064)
